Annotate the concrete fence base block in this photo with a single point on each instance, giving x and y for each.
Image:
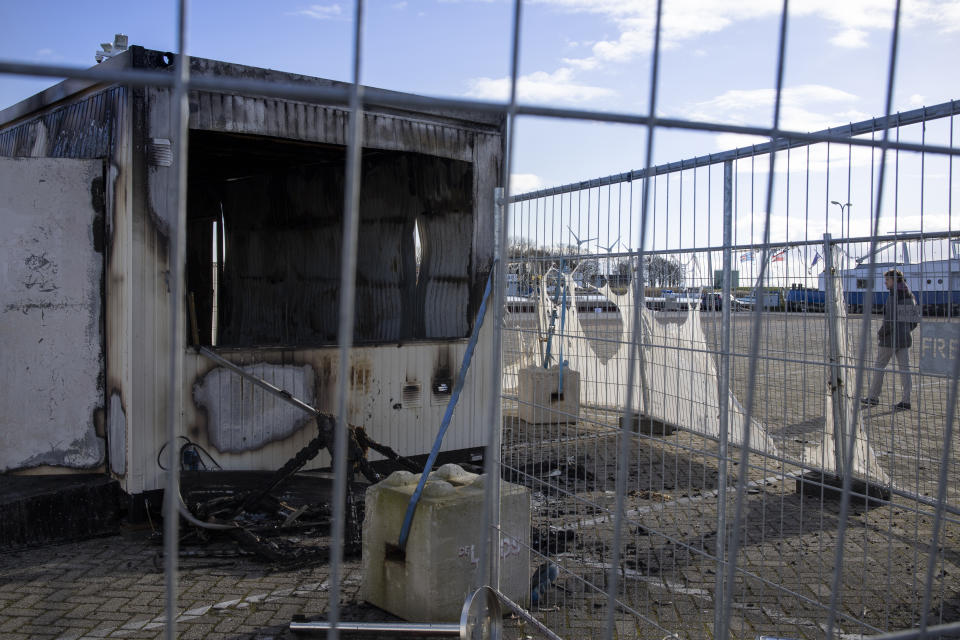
(549, 397)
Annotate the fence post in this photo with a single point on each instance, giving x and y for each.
(723, 393)
(490, 564)
(838, 394)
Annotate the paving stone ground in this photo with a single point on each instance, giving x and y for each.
(114, 588)
(786, 585)
(785, 581)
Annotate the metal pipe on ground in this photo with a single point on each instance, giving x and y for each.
(418, 629)
(480, 619)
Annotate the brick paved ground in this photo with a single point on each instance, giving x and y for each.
(787, 550)
(784, 585)
(114, 588)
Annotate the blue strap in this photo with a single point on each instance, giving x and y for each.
(563, 320)
(550, 329)
(451, 405)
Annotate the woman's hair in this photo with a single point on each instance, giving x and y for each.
(896, 274)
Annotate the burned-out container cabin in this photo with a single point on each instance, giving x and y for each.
(86, 178)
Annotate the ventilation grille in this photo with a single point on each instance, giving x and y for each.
(160, 152)
(412, 394)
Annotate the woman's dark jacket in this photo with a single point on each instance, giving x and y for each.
(901, 315)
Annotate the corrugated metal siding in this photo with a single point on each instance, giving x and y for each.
(112, 123)
(241, 416)
(445, 284)
(93, 126)
(386, 272)
(380, 372)
(80, 129)
(118, 291)
(487, 159)
(153, 204)
(315, 123)
(289, 297)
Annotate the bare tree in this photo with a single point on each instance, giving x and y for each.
(529, 260)
(664, 272)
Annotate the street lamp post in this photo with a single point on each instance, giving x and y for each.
(843, 206)
(847, 206)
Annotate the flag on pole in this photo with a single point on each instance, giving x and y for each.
(747, 257)
(816, 258)
(778, 256)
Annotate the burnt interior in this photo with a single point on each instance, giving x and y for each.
(264, 243)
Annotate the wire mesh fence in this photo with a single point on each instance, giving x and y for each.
(709, 480)
(692, 386)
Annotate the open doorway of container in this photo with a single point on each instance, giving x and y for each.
(264, 238)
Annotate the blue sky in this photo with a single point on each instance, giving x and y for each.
(718, 60)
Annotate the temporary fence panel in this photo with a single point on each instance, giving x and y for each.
(816, 456)
(715, 473)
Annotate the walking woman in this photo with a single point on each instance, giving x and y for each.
(901, 315)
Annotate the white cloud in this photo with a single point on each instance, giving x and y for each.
(48, 55)
(850, 39)
(321, 12)
(682, 20)
(928, 222)
(950, 22)
(916, 100)
(540, 86)
(878, 14)
(783, 228)
(802, 108)
(525, 182)
(399, 5)
(736, 140)
(685, 20)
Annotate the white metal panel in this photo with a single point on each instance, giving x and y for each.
(50, 313)
(153, 206)
(242, 416)
(118, 290)
(379, 375)
(380, 371)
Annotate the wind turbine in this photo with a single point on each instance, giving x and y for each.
(580, 243)
(609, 250)
(578, 240)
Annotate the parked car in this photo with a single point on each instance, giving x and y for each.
(711, 301)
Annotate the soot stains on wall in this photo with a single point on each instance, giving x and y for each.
(264, 242)
(244, 417)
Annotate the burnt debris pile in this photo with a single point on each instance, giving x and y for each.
(281, 517)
